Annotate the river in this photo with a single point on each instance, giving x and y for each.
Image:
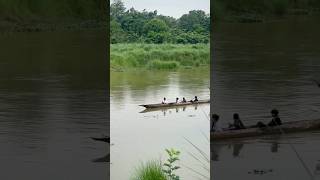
(53, 99)
(138, 136)
(258, 67)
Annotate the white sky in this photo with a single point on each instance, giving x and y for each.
(174, 8)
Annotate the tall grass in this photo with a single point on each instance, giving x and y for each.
(159, 56)
(151, 170)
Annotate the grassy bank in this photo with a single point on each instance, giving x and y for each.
(262, 10)
(158, 56)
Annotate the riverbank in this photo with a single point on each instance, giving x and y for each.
(158, 56)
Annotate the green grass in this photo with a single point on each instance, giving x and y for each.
(152, 170)
(158, 56)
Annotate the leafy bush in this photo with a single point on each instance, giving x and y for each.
(170, 167)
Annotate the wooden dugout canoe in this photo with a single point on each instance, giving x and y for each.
(288, 127)
(103, 139)
(173, 104)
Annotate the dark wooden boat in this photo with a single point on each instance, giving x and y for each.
(103, 139)
(177, 108)
(288, 127)
(173, 104)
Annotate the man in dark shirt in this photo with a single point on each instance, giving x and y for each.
(275, 121)
(237, 123)
(275, 118)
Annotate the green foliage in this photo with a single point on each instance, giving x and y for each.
(149, 27)
(152, 170)
(116, 32)
(194, 20)
(19, 10)
(155, 25)
(159, 56)
(158, 64)
(256, 11)
(156, 31)
(169, 167)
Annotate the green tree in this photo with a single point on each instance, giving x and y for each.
(117, 10)
(156, 31)
(117, 35)
(155, 25)
(195, 18)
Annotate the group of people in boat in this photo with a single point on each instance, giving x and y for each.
(238, 124)
(164, 101)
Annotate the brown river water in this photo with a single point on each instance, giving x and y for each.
(258, 67)
(139, 136)
(52, 100)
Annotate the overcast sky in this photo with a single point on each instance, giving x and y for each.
(174, 8)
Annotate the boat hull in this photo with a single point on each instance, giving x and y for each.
(173, 104)
(289, 127)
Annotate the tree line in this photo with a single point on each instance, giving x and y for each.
(133, 26)
(40, 10)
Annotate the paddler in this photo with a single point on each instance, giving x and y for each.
(195, 99)
(237, 123)
(215, 124)
(184, 100)
(275, 121)
(164, 100)
(177, 100)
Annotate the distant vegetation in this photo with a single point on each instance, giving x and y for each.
(34, 9)
(132, 26)
(159, 56)
(259, 10)
(28, 14)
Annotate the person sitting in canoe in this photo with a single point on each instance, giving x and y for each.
(237, 123)
(215, 124)
(164, 101)
(195, 99)
(275, 121)
(184, 100)
(177, 100)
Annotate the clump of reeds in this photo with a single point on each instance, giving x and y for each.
(151, 170)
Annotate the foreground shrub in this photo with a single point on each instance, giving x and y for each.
(152, 170)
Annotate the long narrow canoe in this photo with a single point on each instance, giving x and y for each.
(288, 127)
(177, 108)
(172, 104)
(103, 139)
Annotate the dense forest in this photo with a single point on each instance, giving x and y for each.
(133, 26)
(260, 10)
(33, 9)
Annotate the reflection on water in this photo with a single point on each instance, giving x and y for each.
(270, 156)
(52, 100)
(139, 135)
(258, 67)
